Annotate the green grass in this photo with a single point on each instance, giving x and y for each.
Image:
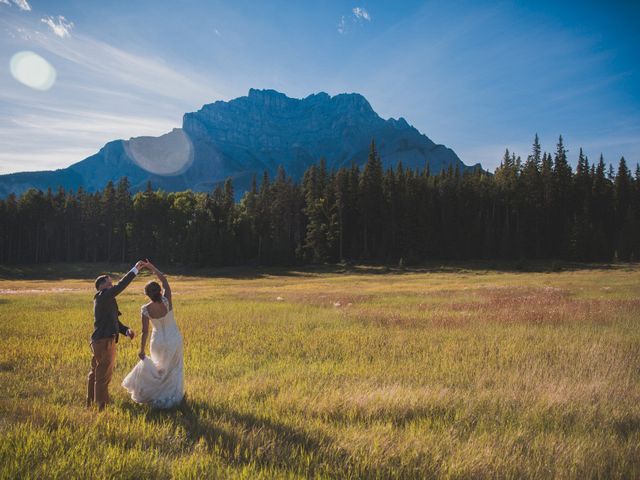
(443, 372)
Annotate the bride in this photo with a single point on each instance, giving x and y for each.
(158, 380)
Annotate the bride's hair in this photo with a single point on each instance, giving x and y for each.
(153, 291)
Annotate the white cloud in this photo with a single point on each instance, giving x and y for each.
(92, 124)
(362, 14)
(61, 27)
(358, 14)
(23, 5)
(130, 72)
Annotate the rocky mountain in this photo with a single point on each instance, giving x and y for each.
(244, 137)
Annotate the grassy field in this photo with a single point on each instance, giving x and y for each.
(452, 373)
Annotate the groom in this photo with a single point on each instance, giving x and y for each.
(107, 326)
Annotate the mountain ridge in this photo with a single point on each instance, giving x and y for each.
(243, 137)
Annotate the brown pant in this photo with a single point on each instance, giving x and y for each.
(102, 363)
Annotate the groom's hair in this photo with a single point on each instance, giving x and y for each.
(100, 280)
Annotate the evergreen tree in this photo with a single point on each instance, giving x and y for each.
(108, 213)
(623, 221)
(263, 223)
(602, 212)
(247, 222)
(562, 211)
(581, 228)
(371, 203)
(531, 202)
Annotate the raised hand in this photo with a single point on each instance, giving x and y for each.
(150, 265)
(140, 265)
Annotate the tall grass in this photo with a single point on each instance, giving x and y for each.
(463, 374)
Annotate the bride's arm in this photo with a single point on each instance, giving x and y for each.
(145, 334)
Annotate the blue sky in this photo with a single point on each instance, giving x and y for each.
(477, 76)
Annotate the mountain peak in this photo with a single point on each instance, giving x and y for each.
(270, 96)
(260, 94)
(399, 123)
(354, 101)
(320, 96)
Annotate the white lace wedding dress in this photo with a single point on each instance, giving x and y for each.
(158, 380)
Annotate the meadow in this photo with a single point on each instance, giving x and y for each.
(448, 372)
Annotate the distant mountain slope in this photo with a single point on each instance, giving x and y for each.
(246, 136)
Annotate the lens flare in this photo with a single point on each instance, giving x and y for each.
(32, 70)
(170, 154)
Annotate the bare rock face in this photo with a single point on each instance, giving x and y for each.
(245, 137)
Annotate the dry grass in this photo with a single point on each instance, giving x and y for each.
(472, 374)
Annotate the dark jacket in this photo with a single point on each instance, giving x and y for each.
(105, 311)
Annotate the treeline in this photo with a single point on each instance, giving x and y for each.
(536, 209)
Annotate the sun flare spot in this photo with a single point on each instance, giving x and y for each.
(169, 154)
(32, 70)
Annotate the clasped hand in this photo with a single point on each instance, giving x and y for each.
(141, 264)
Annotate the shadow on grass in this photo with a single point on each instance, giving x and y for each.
(259, 441)
(627, 427)
(89, 271)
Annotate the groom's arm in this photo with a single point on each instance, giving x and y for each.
(124, 282)
(124, 330)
